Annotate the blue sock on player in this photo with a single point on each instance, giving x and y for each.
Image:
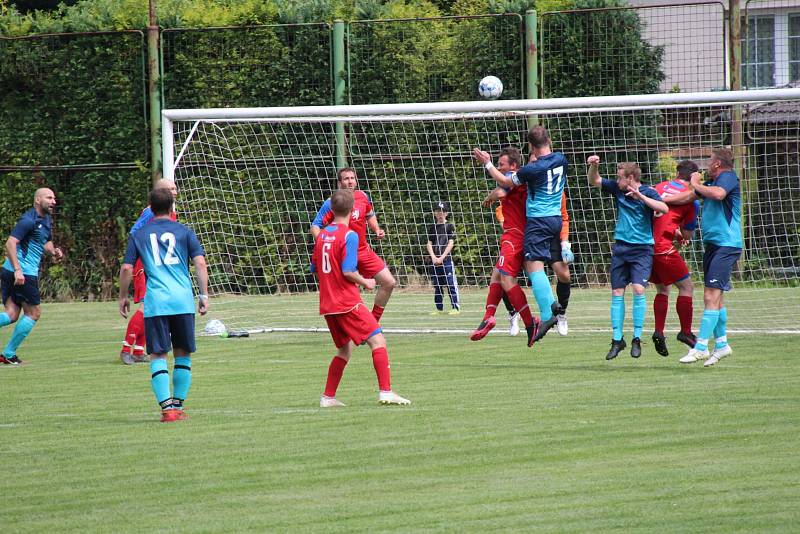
(159, 379)
(639, 310)
(181, 378)
(721, 330)
(542, 293)
(707, 325)
(21, 331)
(617, 316)
(4, 319)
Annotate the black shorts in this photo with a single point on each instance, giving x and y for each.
(540, 233)
(165, 331)
(27, 292)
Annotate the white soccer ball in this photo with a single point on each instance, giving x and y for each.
(214, 327)
(490, 87)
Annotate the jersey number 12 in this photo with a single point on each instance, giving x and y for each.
(168, 238)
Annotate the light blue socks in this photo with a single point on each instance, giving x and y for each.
(181, 378)
(21, 331)
(721, 330)
(639, 310)
(707, 326)
(159, 379)
(543, 294)
(617, 316)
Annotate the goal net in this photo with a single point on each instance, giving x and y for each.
(252, 180)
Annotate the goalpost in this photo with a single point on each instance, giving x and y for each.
(251, 181)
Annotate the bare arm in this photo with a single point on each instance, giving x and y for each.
(708, 191)
(53, 251)
(125, 276)
(496, 194)
(11, 254)
(356, 278)
(656, 205)
(447, 249)
(201, 274)
(315, 230)
(429, 246)
(681, 198)
(373, 224)
(486, 160)
(593, 174)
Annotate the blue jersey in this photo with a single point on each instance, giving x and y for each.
(33, 231)
(145, 217)
(721, 221)
(634, 217)
(546, 178)
(165, 248)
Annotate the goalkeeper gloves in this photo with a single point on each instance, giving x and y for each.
(566, 252)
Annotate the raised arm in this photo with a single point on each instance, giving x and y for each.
(485, 159)
(593, 173)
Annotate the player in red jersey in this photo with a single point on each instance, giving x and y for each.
(509, 262)
(335, 262)
(669, 268)
(134, 343)
(370, 265)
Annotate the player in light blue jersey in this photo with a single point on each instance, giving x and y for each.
(546, 177)
(720, 227)
(165, 248)
(19, 277)
(632, 253)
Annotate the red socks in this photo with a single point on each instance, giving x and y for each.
(134, 336)
(380, 360)
(377, 312)
(685, 309)
(335, 371)
(660, 307)
(520, 303)
(493, 299)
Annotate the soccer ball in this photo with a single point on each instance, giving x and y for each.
(490, 87)
(214, 327)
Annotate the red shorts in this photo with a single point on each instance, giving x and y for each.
(668, 269)
(369, 263)
(139, 286)
(512, 253)
(357, 325)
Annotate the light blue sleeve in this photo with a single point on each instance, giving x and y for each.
(323, 211)
(350, 260)
(144, 218)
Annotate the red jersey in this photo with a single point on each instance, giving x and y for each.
(362, 210)
(513, 206)
(678, 216)
(335, 251)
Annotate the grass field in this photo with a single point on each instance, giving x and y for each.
(498, 438)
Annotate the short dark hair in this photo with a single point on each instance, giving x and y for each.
(686, 168)
(343, 170)
(538, 137)
(724, 156)
(161, 201)
(342, 202)
(631, 169)
(513, 155)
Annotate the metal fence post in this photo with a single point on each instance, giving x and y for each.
(531, 62)
(339, 82)
(153, 93)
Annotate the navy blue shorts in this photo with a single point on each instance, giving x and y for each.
(630, 264)
(540, 233)
(27, 292)
(166, 331)
(718, 265)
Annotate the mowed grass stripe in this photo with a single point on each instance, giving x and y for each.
(499, 437)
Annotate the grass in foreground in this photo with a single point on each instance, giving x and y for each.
(498, 437)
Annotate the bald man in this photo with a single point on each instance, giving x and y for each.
(133, 346)
(20, 273)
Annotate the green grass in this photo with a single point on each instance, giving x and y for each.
(498, 438)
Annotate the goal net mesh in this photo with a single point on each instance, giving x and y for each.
(251, 187)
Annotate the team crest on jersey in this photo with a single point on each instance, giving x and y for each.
(356, 214)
